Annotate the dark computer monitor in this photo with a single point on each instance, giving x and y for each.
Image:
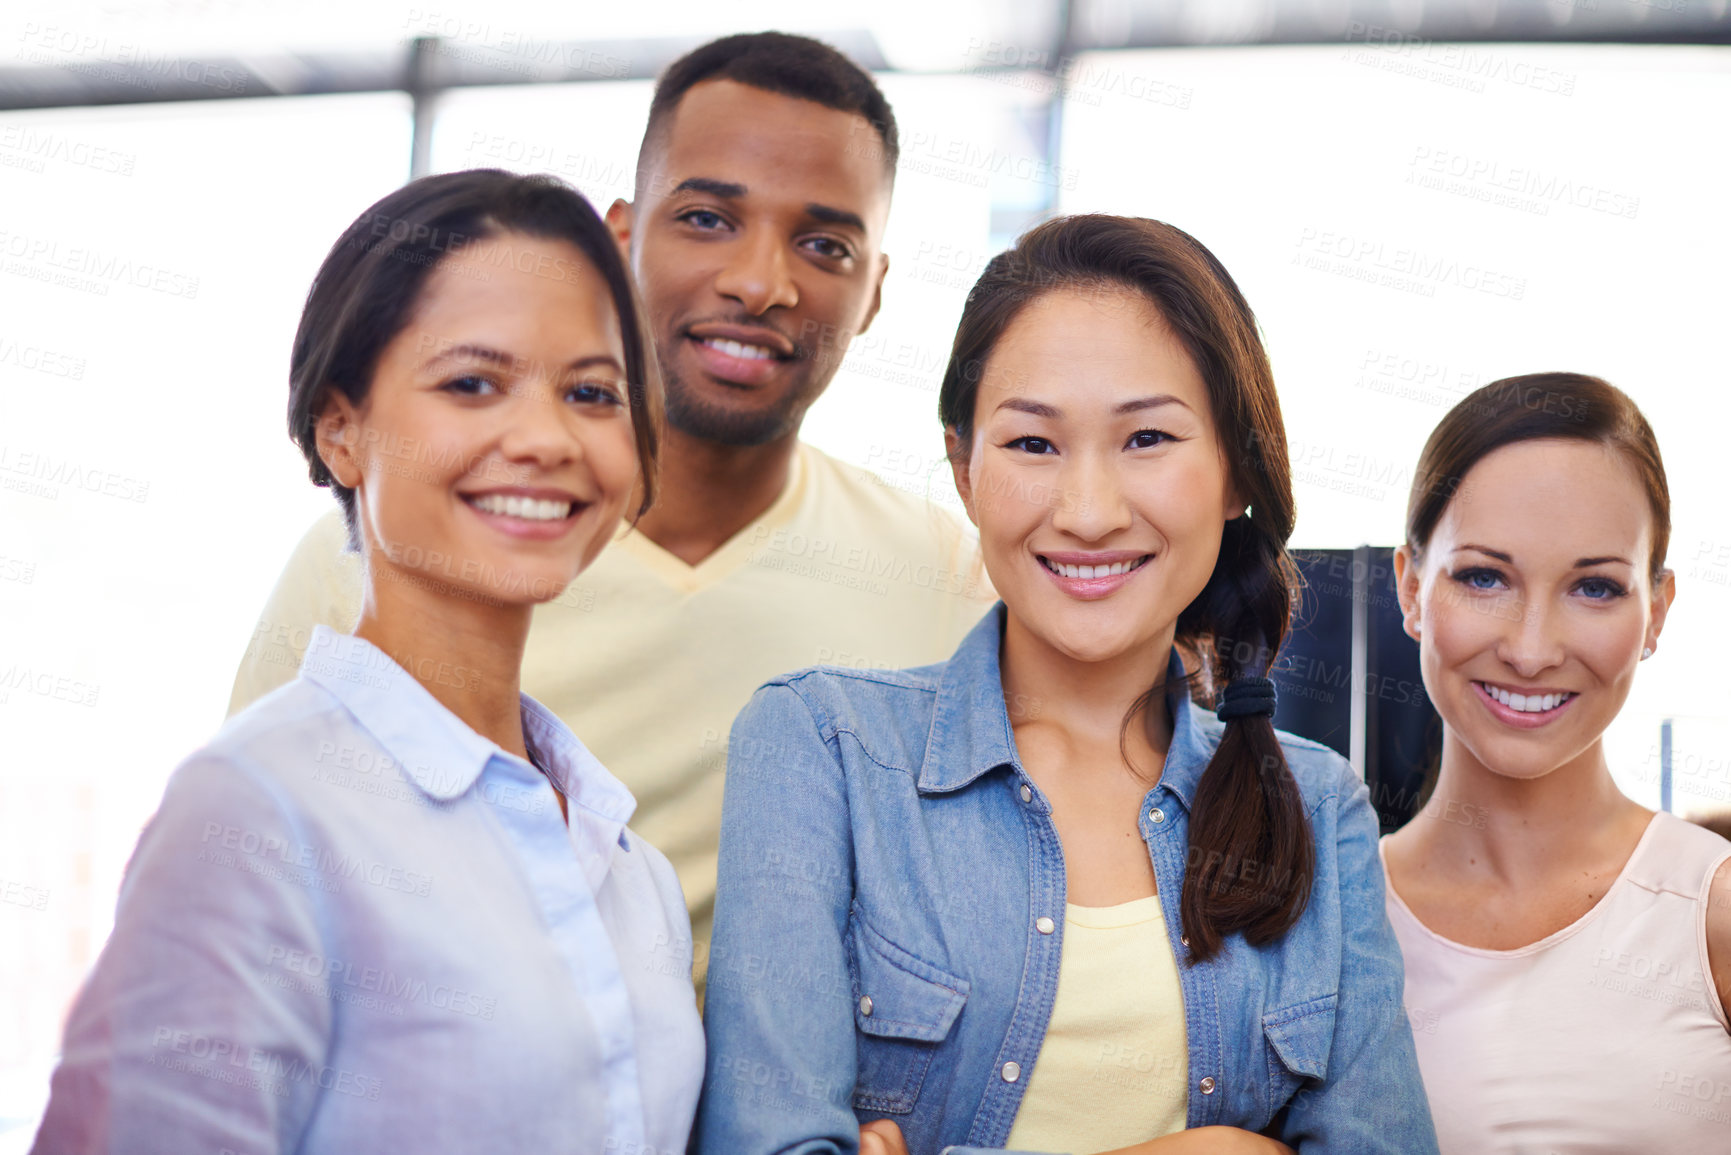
(1348, 677)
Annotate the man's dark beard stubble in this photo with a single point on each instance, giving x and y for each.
(704, 422)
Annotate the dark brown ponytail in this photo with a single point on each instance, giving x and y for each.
(1251, 856)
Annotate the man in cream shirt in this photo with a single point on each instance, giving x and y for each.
(755, 237)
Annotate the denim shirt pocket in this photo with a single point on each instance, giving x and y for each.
(903, 1009)
(1299, 1039)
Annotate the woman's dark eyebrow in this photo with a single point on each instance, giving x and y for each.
(1580, 562)
(1037, 408)
(1041, 409)
(1153, 402)
(470, 353)
(492, 356)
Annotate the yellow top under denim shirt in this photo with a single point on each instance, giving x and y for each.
(356, 925)
(886, 871)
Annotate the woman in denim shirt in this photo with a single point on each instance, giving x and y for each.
(932, 881)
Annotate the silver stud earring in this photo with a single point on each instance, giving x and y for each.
(1646, 653)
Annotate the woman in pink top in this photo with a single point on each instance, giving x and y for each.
(1568, 951)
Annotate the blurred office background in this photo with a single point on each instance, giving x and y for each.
(1417, 197)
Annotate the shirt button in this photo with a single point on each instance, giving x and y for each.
(865, 1005)
(1156, 816)
(1027, 794)
(1045, 925)
(1011, 1072)
(1206, 1086)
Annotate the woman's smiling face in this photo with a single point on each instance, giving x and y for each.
(1533, 601)
(493, 454)
(1095, 474)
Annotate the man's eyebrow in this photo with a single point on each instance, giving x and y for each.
(833, 216)
(726, 189)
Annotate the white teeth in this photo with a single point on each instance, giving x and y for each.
(1093, 571)
(1526, 703)
(527, 508)
(738, 349)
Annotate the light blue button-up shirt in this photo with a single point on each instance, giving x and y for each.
(356, 925)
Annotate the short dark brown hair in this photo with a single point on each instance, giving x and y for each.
(365, 293)
(779, 62)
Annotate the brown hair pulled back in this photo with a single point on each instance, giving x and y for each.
(1535, 407)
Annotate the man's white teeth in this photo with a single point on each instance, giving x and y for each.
(528, 508)
(1093, 571)
(1526, 703)
(738, 349)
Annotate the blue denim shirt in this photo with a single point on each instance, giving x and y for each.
(884, 858)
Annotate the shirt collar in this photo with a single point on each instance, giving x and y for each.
(971, 732)
(435, 749)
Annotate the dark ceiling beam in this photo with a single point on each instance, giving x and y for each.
(51, 78)
(424, 68)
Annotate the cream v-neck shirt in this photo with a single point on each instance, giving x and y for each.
(648, 659)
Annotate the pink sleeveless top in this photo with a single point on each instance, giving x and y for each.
(1607, 1036)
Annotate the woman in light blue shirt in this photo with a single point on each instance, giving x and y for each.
(1034, 897)
(394, 905)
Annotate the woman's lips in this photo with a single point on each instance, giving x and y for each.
(528, 529)
(1092, 588)
(1521, 719)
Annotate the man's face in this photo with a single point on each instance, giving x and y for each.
(756, 242)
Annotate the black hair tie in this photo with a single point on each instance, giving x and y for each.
(1246, 698)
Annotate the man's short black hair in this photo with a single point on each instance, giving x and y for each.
(779, 62)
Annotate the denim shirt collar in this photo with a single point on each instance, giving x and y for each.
(438, 751)
(971, 732)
